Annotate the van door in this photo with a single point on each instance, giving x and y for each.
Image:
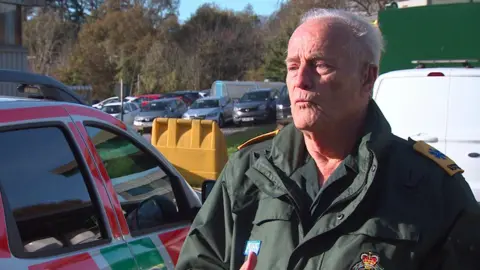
(415, 107)
(463, 132)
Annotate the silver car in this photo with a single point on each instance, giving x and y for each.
(219, 109)
(255, 105)
(160, 108)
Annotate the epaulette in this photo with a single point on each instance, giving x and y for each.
(438, 157)
(259, 138)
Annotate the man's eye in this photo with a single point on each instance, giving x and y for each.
(323, 66)
(292, 67)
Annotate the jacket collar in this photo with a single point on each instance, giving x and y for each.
(289, 152)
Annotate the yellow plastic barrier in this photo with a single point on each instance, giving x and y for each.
(196, 148)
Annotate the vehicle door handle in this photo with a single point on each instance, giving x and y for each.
(474, 155)
(425, 137)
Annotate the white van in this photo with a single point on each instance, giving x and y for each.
(440, 106)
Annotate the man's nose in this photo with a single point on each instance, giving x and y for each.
(304, 78)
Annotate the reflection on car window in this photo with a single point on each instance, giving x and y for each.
(205, 103)
(46, 191)
(255, 96)
(111, 109)
(137, 179)
(155, 106)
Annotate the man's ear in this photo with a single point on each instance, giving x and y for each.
(369, 76)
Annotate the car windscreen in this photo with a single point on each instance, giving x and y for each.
(155, 106)
(255, 96)
(205, 103)
(111, 109)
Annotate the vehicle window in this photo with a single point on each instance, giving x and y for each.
(143, 188)
(255, 96)
(47, 191)
(134, 106)
(205, 103)
(173, 105)
(111, 109)
(155, 106)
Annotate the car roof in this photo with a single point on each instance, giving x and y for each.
(22, 77)
(423, 72)
(165, 99)
(262, 90)
(211, 98)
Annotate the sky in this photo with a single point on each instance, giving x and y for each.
(261, 7)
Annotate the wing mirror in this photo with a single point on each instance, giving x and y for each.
(207, 187)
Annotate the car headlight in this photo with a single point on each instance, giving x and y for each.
(280, 106)
(213, 114)
(236, 109)
(262, 107)
(186, 116)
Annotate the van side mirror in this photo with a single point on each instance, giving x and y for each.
(207, 187)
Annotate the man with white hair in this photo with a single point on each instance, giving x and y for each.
(336, 189)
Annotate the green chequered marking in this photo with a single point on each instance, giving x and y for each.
(147, 255)
(145, 251)
(118, 257)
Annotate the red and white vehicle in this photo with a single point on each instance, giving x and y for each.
(80, 190)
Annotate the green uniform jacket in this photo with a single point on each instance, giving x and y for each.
(401, 211)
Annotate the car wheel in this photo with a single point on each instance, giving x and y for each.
(221, 121)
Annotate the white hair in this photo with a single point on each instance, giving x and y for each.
(370, 41)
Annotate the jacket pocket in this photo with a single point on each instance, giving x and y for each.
(271, 209)
(387, 244)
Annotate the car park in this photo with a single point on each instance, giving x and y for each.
(82, 190)
(254, 106)
(283, 109)
(163, 108)
(130, 111)
(219, 109)
(438, 106)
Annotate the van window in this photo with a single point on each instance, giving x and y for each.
(414, 105)
(46, 191)
(144, 190)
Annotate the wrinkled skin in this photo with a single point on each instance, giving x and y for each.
(328, 82)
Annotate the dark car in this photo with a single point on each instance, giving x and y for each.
(255, 105)
(284, 113)
(186, 96)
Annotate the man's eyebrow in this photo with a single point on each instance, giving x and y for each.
(311, 57)
(292, 59)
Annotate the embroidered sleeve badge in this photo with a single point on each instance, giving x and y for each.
(368, 261)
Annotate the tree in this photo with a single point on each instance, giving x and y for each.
(48, 38)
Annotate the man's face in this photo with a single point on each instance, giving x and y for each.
(327, 82)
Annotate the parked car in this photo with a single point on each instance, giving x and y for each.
(37, 86)
(283, 110)
(82, 190)
(204, 93)
(104, 102)
(438, 106)
(143, 100)
(163, 108)
(219, 109)
(130, 111)
(255, 105)
(186, 96)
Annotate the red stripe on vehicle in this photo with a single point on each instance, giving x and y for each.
(22, 114)
(4, 250)
(117, 208)
(173, 242)
(95, 113)
(77, 262)
(109, 210)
